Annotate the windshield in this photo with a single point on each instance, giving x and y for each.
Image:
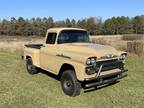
(72, 36)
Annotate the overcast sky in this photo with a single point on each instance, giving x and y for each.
(77, 9)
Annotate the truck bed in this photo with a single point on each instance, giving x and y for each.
(36, 46)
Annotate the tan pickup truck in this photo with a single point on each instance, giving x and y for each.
(78, 63)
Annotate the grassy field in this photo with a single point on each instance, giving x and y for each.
(18, 89)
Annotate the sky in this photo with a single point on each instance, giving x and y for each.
(77, 9)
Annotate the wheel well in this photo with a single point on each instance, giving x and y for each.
(64, 68)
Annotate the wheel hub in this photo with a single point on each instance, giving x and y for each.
(68, 84)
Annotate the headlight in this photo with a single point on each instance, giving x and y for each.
(122, 57)
(88, 62)
(91, 61)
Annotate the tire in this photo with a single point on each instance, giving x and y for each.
(70, 85)
(30, 67)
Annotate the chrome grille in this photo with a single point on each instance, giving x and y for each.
(109, 65)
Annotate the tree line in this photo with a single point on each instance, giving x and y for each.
(95, 26)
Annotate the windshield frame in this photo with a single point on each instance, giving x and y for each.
(88, 38)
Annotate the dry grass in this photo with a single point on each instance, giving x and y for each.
(100, 41)
(13, 43)
(136, 47)
(132, 37)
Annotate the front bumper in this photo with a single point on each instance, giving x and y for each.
(105, 79)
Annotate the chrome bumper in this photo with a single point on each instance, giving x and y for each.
(105, 79)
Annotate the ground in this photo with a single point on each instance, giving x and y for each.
(18, 89)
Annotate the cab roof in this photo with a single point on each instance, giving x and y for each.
(61, 29)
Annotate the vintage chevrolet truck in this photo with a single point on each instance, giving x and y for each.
(78, 63)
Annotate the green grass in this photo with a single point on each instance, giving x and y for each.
(18, 89)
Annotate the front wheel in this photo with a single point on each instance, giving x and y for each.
(30, 67)
(70, 85)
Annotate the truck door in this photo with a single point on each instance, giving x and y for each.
(48, 53)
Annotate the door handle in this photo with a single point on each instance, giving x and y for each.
(58, 54)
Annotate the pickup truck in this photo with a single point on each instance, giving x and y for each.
(78, 63)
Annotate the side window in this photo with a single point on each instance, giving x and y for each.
(51, 38)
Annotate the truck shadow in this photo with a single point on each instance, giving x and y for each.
(49, 74)
(86, 90)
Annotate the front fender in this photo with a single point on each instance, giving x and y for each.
(79, 69)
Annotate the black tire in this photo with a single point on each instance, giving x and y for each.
(70, 85)
(30, 67)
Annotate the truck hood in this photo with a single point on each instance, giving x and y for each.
(86, 50)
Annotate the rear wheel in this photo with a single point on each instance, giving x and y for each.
(30, 67)
(70, 85)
